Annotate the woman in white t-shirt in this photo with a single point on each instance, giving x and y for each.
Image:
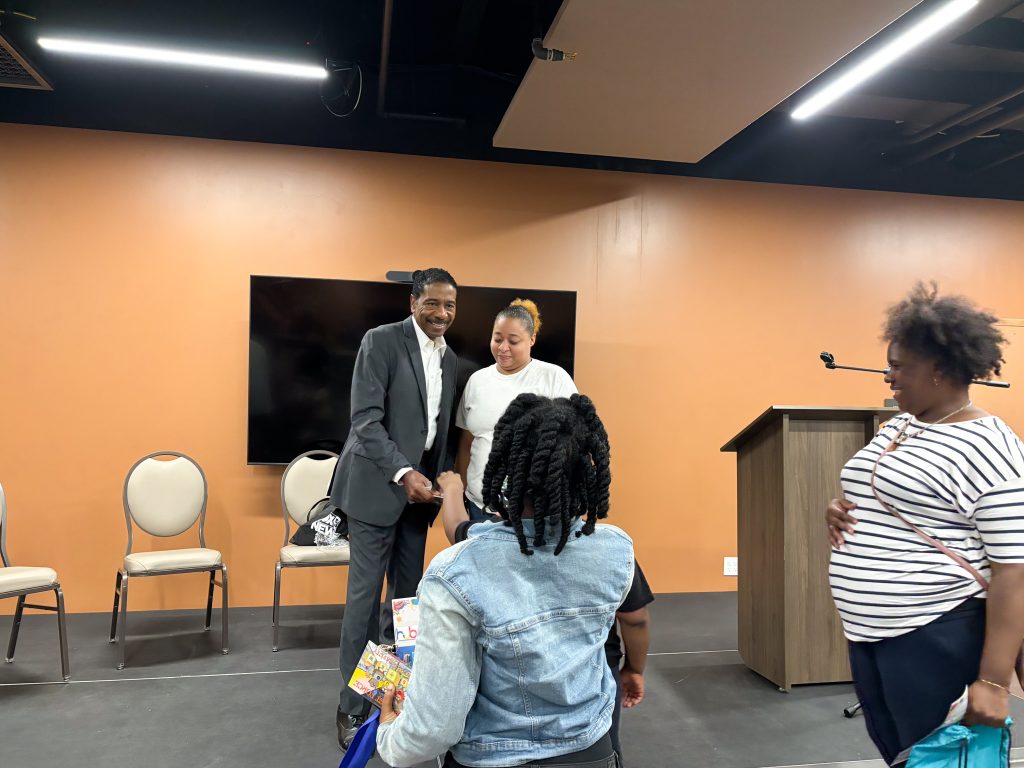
(490, 390)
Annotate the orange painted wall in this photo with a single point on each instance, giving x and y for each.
(124, 265)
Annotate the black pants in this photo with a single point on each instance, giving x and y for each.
(395, 551)
(907, 683)
(599, 755)
(613, 734)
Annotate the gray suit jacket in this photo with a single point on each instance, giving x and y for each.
(389, 424)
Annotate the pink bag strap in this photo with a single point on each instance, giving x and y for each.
(1018, 666)
(955, 557)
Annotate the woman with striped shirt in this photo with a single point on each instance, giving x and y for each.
(920, 626)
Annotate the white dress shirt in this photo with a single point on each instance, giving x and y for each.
(432, 352)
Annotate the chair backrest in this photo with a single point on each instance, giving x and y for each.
(165, 498)
(3, 528)
(305, 481)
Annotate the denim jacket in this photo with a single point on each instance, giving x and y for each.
(510, 665)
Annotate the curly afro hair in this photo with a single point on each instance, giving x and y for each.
(961, 339)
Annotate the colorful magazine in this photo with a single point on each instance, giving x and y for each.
(377, 668)
(406, 612)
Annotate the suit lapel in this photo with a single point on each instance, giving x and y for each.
(449, 366)
(412, 344)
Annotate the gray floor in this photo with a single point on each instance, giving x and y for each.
(181, 703)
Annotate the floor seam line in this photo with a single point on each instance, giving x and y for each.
(170, 677)
(272, 672)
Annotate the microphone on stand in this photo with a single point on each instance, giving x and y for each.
(830, 362)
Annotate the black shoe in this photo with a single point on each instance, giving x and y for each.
(347, 727)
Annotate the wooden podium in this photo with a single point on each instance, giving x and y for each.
(788, 463)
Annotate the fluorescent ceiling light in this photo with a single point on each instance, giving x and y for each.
(183, 58)
(917, 34)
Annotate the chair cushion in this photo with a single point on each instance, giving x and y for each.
(293, 553)
(171, 559)
(16, 578)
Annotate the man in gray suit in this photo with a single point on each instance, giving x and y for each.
(403, 391)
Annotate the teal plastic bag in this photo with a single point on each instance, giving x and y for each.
(961, 746)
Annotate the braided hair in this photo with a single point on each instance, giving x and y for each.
(553, 454)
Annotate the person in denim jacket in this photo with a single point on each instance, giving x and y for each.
(510, 666)
(628, 639)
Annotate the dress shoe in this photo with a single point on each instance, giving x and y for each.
(347, 727)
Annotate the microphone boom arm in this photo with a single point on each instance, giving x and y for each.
(830, 362)
(833, 367)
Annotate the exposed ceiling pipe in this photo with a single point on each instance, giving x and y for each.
(385, 55)
(956, 138)
(964, 114)
(1017, 153)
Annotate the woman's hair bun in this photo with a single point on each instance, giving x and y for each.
(531, 309)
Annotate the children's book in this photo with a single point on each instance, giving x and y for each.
(377, 668)
(407, 623)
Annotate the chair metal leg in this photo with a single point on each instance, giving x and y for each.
(224, 607)
(113, 615)
(62, 629)
(124, 617)
(277, 599)
(14, 629)
(209, 603)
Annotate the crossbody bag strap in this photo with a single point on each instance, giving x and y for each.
(955, 557)
(1018, 666)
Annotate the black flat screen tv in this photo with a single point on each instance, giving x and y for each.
(304, 334)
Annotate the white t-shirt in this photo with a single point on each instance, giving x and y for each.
(488, 393)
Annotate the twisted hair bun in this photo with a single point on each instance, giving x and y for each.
(526, 312)
(531, 309)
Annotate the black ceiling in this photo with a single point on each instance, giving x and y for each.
(453, 69)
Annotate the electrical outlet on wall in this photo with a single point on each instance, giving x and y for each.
(731, 566)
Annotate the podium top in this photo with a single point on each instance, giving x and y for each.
(805, 413)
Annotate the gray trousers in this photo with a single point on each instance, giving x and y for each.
(395, 551)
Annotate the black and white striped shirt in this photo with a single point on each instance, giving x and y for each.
(963, 484)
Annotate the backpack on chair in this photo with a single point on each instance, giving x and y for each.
(325, 526)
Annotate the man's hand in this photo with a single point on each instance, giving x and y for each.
(632, 687)
(387, 706)
(417, 488)
(450, 484)
(987, 705)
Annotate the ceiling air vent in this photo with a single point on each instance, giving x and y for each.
(16, 72)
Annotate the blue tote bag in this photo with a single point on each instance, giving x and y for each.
(363, 744)
(961, 746)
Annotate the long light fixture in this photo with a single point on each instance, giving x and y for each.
(183, 58)
(873, 64)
